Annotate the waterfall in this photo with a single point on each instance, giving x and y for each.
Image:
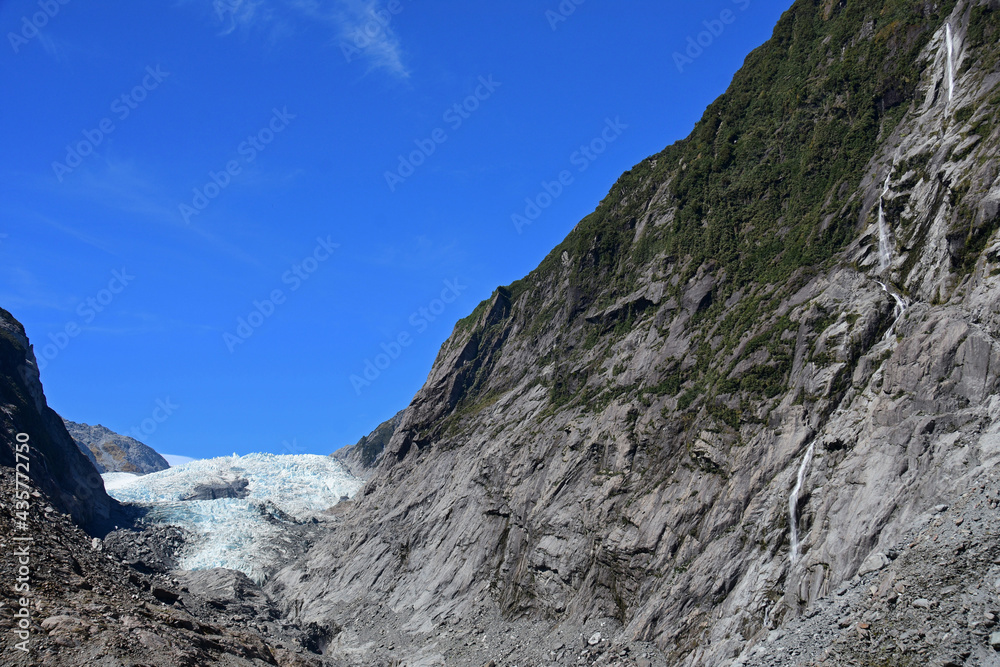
(884, 250)
(901, 304)
(898, 310)
(793, 501)
(951, 61)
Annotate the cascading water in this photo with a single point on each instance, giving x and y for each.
(898, 310)
(884, 249)
(951, 61)
(793, 501)
(901, 304)
(884, 260)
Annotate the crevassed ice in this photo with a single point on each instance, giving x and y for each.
(237, 533)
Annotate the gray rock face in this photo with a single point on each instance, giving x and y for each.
(873, 563)
(608, 451)
(360, 459)
(222, 587)
(230, 488)
(146, 548)
(111, 452)
(931, 600)
(56, 465)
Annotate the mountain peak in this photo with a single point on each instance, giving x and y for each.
(112, 452)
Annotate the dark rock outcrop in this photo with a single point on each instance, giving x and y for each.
(223, 488)
(147, 548)
(57, 466)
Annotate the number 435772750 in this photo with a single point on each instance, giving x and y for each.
(22, 491)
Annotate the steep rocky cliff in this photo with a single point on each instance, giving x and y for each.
(361, 458)
(112, 452)
(55, 464)
(768, 353)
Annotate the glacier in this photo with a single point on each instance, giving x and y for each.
(237, 532)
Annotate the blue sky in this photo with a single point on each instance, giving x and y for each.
(214, 213)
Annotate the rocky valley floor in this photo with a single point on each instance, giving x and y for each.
(121, 602)
(933, 599)
(110, 603)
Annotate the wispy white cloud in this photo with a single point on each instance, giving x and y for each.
(63, 50)
(234, 14)
(142, 323)
(361, 29)
(177, 460)
(121, 185)
(50, 46)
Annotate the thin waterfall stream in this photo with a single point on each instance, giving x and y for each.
(884, 247)
(951, 61)
(793, 501)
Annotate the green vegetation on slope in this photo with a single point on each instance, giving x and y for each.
(765, 190)
(760, 185)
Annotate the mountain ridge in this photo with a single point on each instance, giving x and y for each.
(113, 452)
(362, 457)
(620, 434)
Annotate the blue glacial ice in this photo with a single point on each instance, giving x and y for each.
(238, 533)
